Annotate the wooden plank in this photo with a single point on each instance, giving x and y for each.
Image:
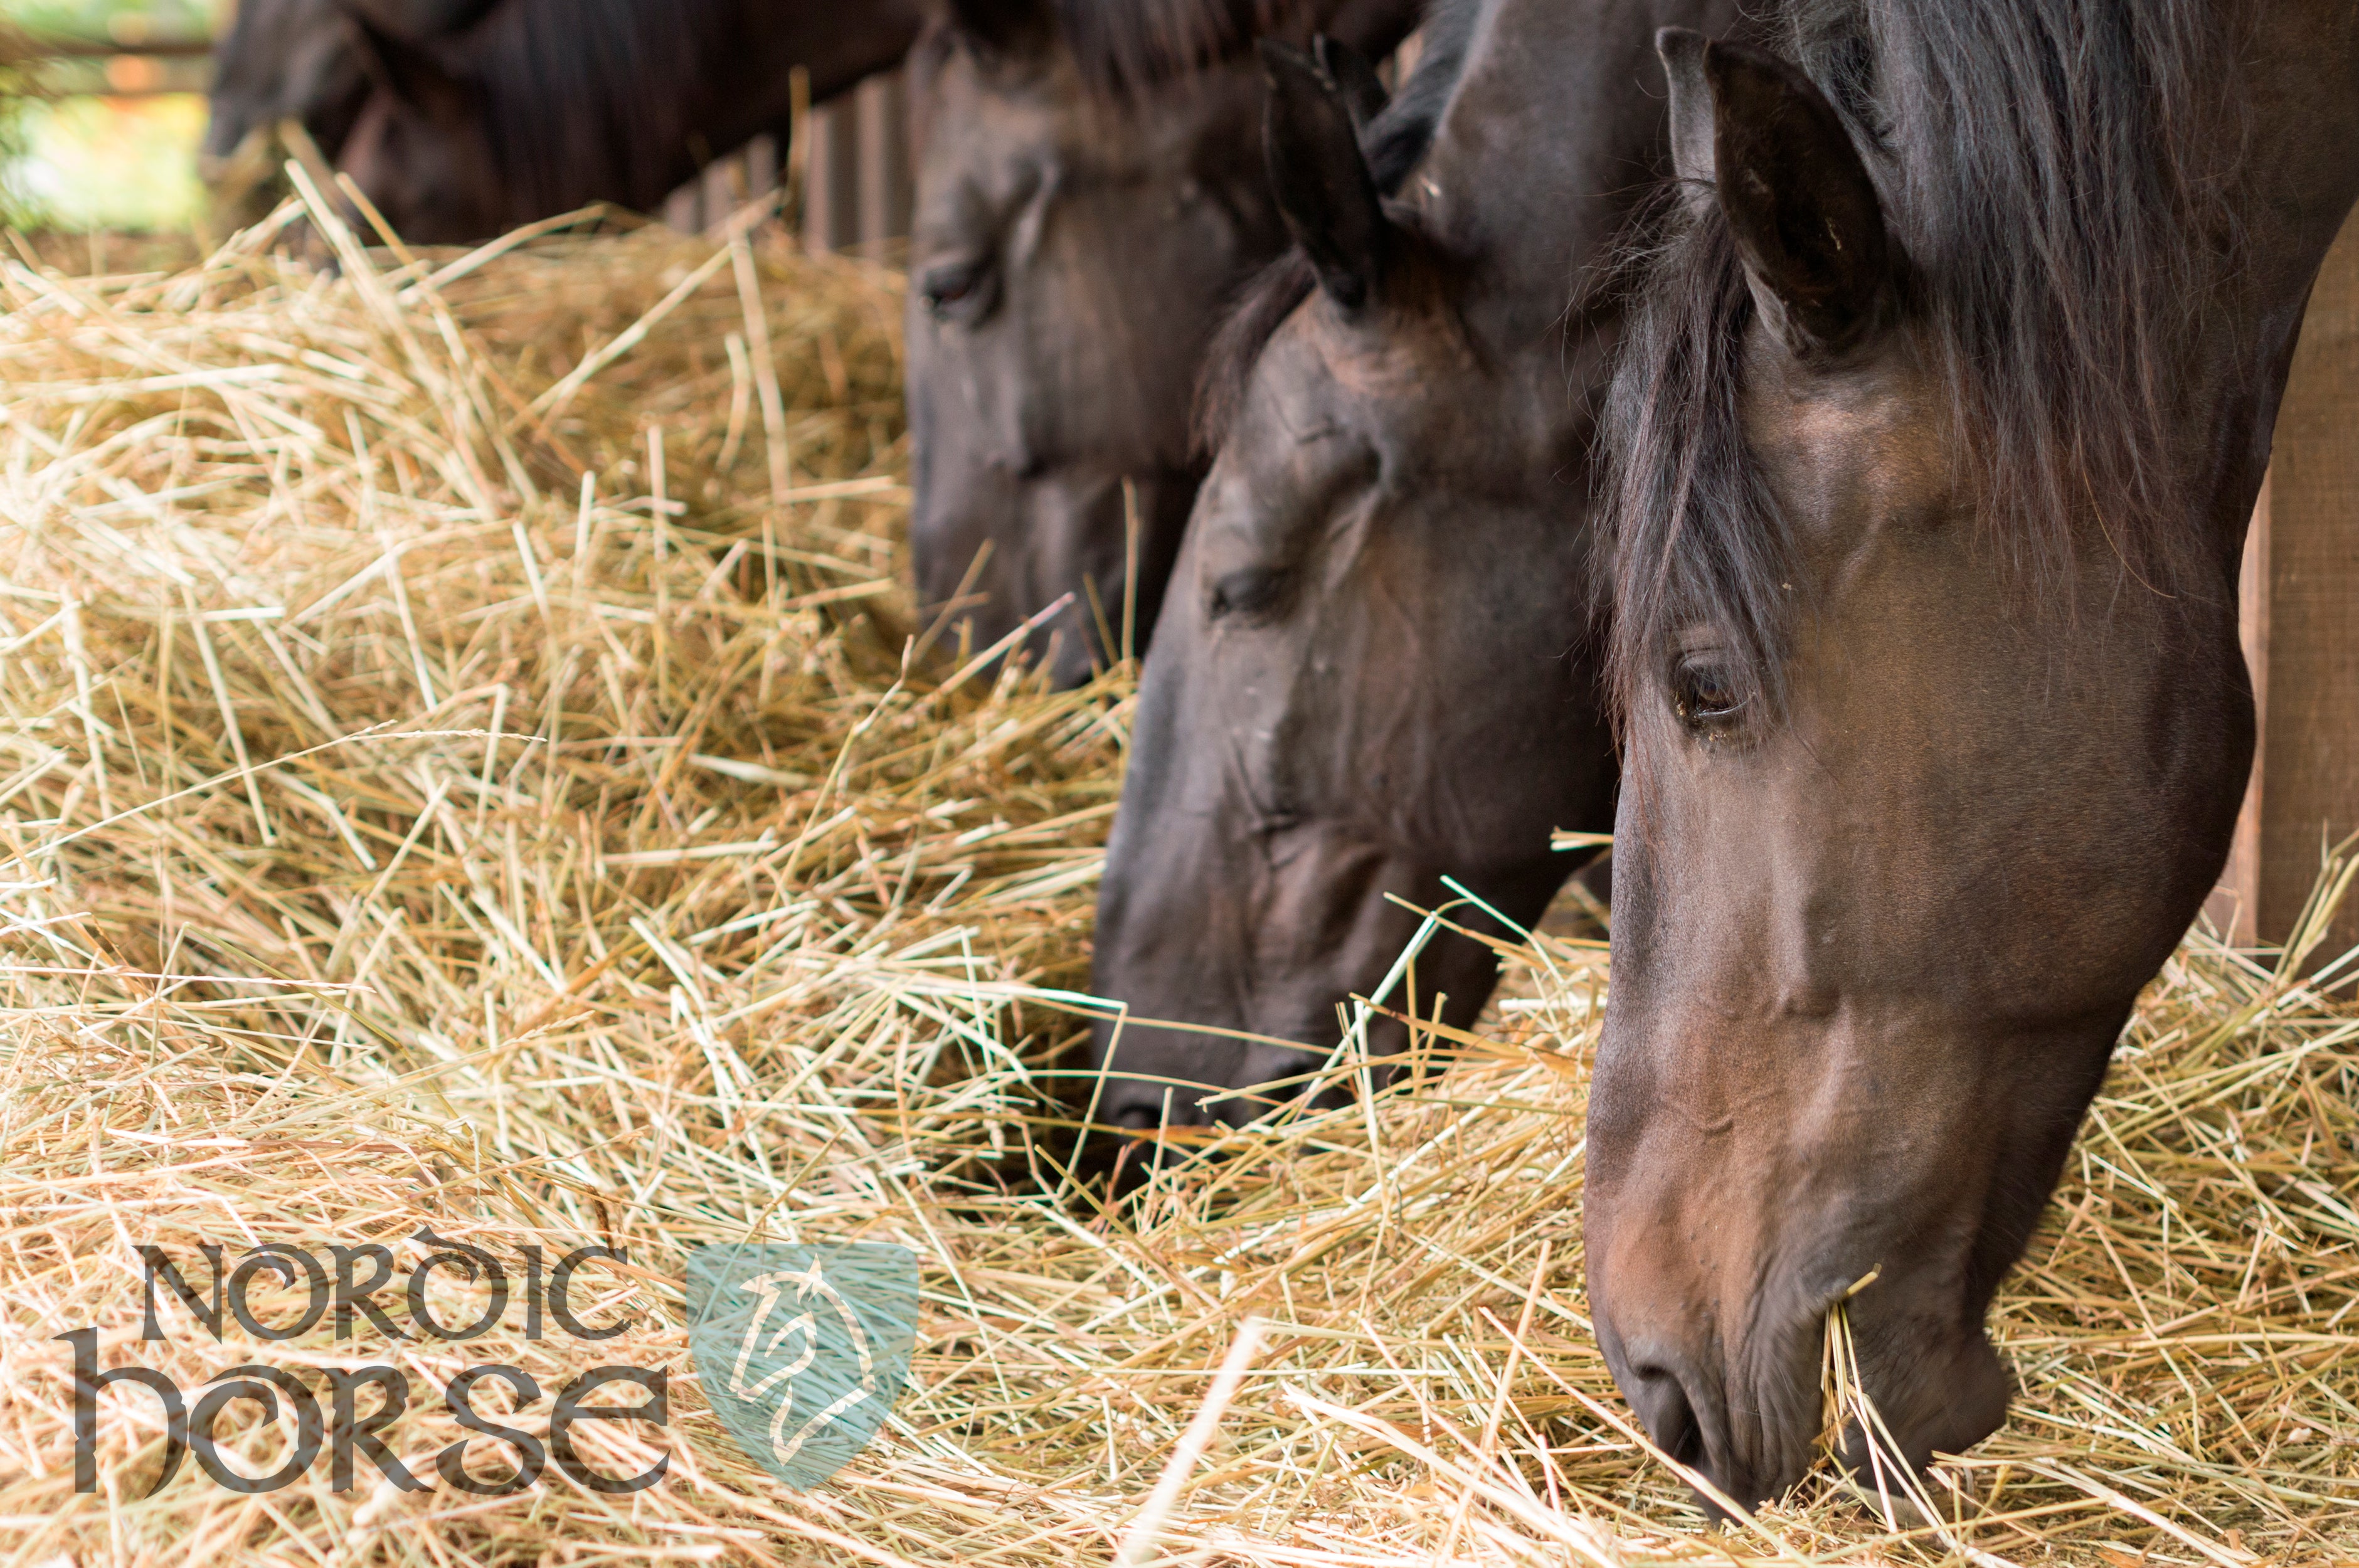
(2235, 906)
(885, 194)
(831, 178)
(2308, 631)
(761, 165)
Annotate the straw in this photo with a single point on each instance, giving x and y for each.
(603, 872)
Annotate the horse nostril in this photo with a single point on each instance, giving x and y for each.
(1670, 1416)
(1138, 1118)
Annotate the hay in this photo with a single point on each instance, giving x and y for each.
(394, 837)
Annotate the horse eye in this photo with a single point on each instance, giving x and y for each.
(958, 290)
(1707, 693)
(1247, 591)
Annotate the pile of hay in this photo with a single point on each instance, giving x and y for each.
(465, 768)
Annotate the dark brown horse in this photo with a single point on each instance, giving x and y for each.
(1934, 446)
(301, 60)
(547, 105)
(1090, 196)
(1379, 663)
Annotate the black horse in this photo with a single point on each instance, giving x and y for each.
(1933, 447)
(1379, 663)
(546, 105)
(1091, 196)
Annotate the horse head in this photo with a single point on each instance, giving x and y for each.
(1089, 196)
(1936, 433)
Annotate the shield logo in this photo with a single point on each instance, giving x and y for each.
(803, 1349)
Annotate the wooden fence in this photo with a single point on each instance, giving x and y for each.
(857, 185)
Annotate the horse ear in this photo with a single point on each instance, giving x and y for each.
(1321, 177)
(1348, 69)
(1682, 51)
(1756, 135)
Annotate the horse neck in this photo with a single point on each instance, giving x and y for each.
(2293, 183)
(842, 46)
(662, 89)
(2299, 174)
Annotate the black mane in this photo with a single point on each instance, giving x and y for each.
(1394, 143)
(2054, 171)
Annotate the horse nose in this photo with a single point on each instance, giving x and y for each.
(1150, 1078)
(1144, 1106)
(1741, 1408)
(1171, 1078)
(1673, 1383)
(1277, 1075)
(1724, 1389)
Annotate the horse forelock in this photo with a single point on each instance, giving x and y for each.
(1126, 45)
(2057, 175)
(1260, 310)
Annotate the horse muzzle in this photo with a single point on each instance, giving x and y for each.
(1742, 1373)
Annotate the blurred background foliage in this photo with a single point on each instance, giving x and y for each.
(101, 141)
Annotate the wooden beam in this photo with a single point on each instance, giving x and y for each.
(108, 48)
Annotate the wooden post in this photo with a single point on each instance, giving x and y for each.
(884, 179)
(832, 191)
(2300, 609)
(761, 165)
(722, 188)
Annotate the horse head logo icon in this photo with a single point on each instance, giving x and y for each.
(801, 1349)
